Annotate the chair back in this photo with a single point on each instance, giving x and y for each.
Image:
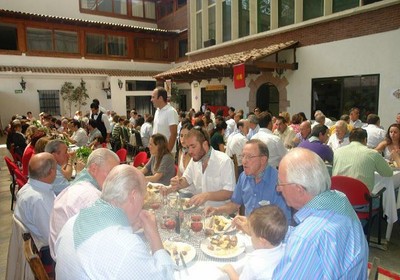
(11, 167)
(355, 190)
(140, 159)
(235, 164)
(33, 258)
(21, 179)
(122, 153)
(17, 158)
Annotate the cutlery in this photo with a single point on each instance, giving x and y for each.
(184, 263)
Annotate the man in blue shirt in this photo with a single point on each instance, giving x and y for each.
(328, 242)
(256, 185)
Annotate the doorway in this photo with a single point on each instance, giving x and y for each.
(267, 98)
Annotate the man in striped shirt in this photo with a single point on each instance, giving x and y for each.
(328, 241)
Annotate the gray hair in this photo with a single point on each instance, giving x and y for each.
(54, 146)
(306, 168)
(42, 168)
(100, 156)
(342, 124)
(120, 182)
(252, 119)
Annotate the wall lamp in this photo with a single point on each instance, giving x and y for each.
(83, 83)
(120, 84)
(23, 83)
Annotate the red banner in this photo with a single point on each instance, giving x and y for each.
(239, 76)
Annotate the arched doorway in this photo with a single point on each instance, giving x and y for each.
(267, 98)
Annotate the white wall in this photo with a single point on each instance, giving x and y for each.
(64, 8)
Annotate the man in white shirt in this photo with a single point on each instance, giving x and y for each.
(355, 117)
(375, 133)
(210, 173)
(79, 135)
(35, 200)
(237, 141)
(340, 138)
(83, 192)
(273, 142)
(253, 125)
(165, 118)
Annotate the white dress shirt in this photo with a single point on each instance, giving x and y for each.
(274, 144)
(375, 135)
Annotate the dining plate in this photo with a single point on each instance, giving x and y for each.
(222, 251)
(218, 224)
(175, 248)
(154, 187)
(184, 202)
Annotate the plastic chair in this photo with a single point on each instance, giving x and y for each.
(140, 159)
(122, 153)
(11, 167)
(358, 195)
(20, 178)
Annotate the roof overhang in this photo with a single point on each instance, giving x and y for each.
(222, 66)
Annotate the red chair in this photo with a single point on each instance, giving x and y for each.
(17, 158)
(140, 159)
(122, 153)
(358, 195)
(11, 167)
(20, 178)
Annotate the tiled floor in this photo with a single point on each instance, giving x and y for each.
(389, 259)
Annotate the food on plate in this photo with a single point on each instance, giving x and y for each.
(185, 202)
(179, 248)
(217, 223)
(153, 188)
(223, 242)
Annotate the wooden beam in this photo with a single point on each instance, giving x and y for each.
(275, 65)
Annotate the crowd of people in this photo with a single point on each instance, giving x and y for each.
(299, 227)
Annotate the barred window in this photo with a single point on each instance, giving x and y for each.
(49, 102)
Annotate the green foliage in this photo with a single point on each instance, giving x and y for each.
(83, 153)
(175, 96)
(74, 97)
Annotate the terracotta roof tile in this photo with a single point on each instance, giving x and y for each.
(77, 71)
(225, 61)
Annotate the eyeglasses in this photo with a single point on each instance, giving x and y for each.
(247, 157)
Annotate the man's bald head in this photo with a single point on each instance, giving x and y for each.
(41, 167)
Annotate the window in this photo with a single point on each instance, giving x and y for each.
(49, 102)
(313, 9)
(244, 18)
(226, 20)
(285, 12)
(264, 15)
(8, 37)
(165, 8)
(183, 47)
(341, 5)
(96, 44)
(118, 7)
(336, 96)
(52, 40)
(140, 85)
(211, 21)
(151, 48)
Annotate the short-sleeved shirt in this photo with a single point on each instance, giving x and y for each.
(216, 140)
(253, 195)
(167, 168)
(163, 119)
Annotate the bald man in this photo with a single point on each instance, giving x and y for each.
(35, 201)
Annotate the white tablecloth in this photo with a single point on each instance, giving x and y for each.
(389, 199)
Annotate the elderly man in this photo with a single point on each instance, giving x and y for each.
(165, 118)
(256, 187)
(327, 226)
(59, 150)
(357, 161)
(375, 133)
(305, 131)
(253, 125)
(273, 142)
(284, 132)
(83, 192)
(210, 173)
(327, 121)
(35, 200)
(340, 138)
(316, 143)
(100, 243)
(236, 143)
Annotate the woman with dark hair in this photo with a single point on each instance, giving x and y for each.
(15, 139)
(390, 147)
(161, 164)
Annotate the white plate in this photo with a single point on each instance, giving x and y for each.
(214, 227)
(221, 253)
(180, 247)
(154, 187)
(172, 204)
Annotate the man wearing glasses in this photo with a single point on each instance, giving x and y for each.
(256, 186)
(210, 172)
